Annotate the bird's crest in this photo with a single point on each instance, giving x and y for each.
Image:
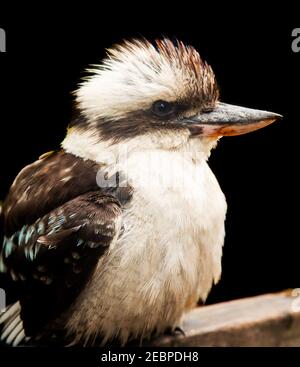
(136, 73)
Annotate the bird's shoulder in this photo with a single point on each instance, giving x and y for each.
(54, 179)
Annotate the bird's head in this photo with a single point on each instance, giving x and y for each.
(162, 90)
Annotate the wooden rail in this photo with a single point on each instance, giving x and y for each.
(267, 320)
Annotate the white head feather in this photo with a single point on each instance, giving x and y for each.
(136, 73)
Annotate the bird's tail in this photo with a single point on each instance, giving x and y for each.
(11, 326)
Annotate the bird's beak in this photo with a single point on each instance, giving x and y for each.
(226, 120)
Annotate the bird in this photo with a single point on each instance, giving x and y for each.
(117, 234)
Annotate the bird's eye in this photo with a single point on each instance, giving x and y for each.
(162, 108)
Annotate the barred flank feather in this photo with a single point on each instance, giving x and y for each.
(11, 326)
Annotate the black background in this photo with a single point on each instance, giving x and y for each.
(251, 54)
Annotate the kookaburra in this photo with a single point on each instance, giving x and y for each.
(120, 232)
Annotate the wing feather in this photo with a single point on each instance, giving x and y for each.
(55, 231)
(50, 268)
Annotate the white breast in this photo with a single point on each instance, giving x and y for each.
(167, 257)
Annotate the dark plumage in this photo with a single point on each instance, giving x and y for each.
(57, 225)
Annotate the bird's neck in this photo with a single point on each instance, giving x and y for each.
(89, 145)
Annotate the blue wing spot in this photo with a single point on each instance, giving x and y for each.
(29, 253)
(41, 227)
(21, 235)
(8, 246)
(51, 220)
(29, 233)
(3, 268)
(60, 219)
(79, 242)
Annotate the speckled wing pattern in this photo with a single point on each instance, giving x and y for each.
(57, 224)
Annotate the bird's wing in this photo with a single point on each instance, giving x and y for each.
(44, 185)
(50, 260)
(57, 224)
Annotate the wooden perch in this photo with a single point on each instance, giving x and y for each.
(267, 320)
